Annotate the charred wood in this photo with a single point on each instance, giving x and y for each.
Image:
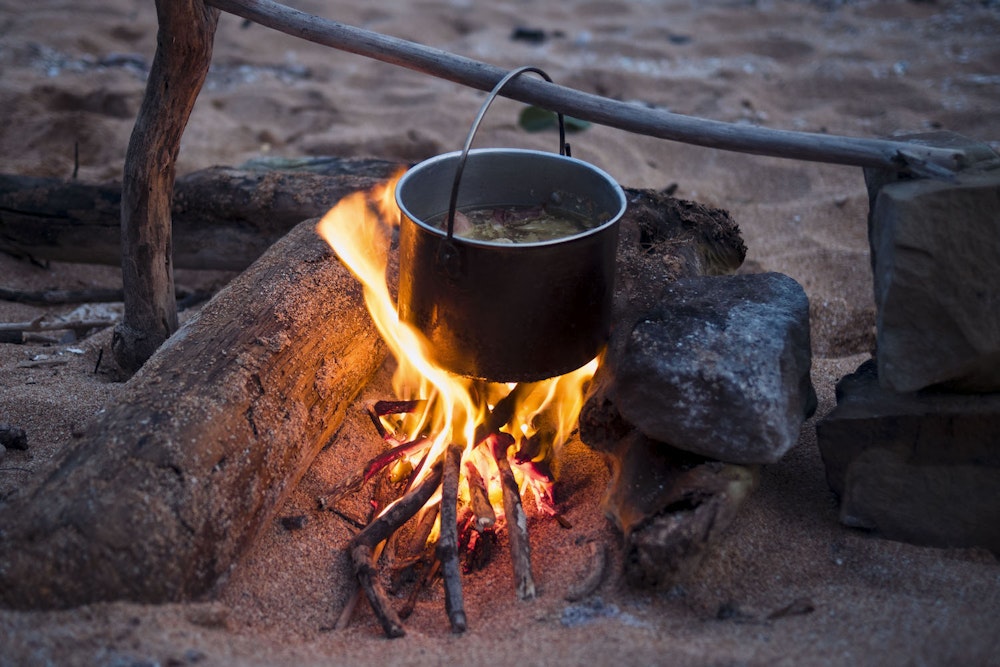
(413, 555)
(447, 547)
(591, 580)
(517, 520)
(362, 548)
(13, 437)
(485, 517)
(671, 507)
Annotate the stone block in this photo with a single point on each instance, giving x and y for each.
(921, 467)
(721, 368)
(936, 264)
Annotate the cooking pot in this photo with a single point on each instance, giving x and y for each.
(507, 312)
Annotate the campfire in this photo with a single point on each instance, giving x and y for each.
(464, 451)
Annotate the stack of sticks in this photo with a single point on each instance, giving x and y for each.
(470, 535)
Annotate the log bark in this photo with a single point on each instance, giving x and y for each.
(173, 480)
(180, 65)
(223, 217)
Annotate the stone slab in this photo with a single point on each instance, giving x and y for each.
(920, 467)
(936, 249)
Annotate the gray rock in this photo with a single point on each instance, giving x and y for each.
(921, 467)
(721, 368)
(936, 258)
(13, 437)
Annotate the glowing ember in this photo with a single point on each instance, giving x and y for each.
(505, 435)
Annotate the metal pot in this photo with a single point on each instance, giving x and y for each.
(498, 311)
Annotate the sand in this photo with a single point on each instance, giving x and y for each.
(71, 76)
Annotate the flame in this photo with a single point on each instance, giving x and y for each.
(359, 229)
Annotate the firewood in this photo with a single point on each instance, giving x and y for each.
(223, 217)
(59, 297)
(447, 547)
(362, 547)
(17, 332)
(672, 507)
(517, 520)
(172, 481)
(411, 601)
(414, 553)
(485, 516)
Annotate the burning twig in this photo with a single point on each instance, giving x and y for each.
(399, 451)
(375, 464)
(363, 546)
(517, 521)
(503, 411)
(486, 517)
(385, 408)
(381, 409)
(447, 547)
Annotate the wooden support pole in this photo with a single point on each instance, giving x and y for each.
(183, 55)
(885, 154)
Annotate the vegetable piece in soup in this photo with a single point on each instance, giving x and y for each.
(516, 224)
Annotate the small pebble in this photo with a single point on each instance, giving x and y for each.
(296, 522)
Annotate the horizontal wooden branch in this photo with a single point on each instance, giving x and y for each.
(813, 147)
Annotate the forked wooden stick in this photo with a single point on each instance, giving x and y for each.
(183, 55)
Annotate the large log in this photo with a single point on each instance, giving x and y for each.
(173, 480)
(223, 217)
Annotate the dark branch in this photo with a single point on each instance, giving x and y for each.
(362, 548)
(447, 548)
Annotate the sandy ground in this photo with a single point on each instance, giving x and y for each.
(71, 76)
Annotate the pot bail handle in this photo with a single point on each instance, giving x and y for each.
(510, 76)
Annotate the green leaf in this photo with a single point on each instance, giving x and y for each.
(536, 119)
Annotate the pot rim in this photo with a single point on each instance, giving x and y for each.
(510, 246)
